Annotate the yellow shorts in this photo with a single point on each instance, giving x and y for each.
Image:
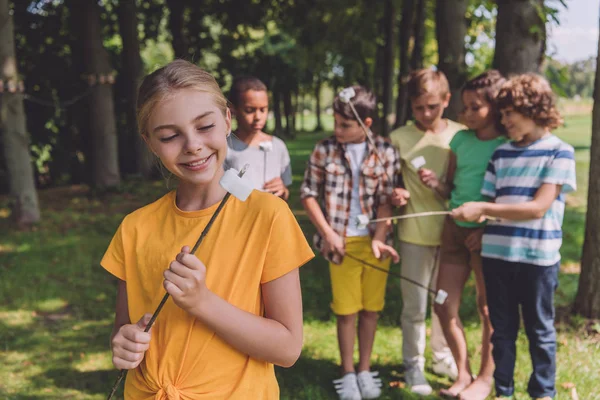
(356, 286)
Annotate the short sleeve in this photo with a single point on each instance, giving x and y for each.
(489, 181)
(314, 175)
(287, 248)
(457, 140)
(561, 170)
(114, 257)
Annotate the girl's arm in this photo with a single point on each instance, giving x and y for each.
(121, 310)
(275, 338)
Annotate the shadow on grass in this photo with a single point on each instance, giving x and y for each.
(90, 382)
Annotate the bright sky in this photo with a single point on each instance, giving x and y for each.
(576, 37)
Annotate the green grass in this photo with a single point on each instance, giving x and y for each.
(56, 302)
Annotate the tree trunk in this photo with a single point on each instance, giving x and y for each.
(406, 27)
(416, 61)
(13, 131)
(138, 158)
(101, 124)
(319, 126)
(176, 26)
(520, 37)
(301, 110)
(277, 110)
(388, 64)
(587, 301)
(287, 112)
(451, 29)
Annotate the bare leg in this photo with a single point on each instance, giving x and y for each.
(482, 386)
(452, 279)
(367, 325)
(346, 331)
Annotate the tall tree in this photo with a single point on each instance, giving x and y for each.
(416, 61)
(177, 10)
(319, 125)
(451, 30)
(587, 301)
(130, 79)
(15, 139)
(388, 63)
(520, 36)
(101, 114)
(406, 27)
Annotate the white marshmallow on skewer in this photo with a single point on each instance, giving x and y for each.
(347, 94)
(441, 296)
(418, 162)
(234, 184)
(266, 146)
(362, 221)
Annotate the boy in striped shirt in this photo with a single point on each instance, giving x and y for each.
(526, 181)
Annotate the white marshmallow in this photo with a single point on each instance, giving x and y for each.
(362, 221)
(347, 94)
(418, 162)
(266, 146)
(441, 296)
(235, 185)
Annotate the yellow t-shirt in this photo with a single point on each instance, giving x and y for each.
(250, 243)
(435, 148)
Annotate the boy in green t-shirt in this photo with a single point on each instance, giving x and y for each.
(423, 144)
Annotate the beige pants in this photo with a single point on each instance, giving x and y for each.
(419, 263)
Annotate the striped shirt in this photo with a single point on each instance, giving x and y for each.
(514, 175)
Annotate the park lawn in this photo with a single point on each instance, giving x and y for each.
(56, 302)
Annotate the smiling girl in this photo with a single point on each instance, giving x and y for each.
(236, 307)
(470, 153)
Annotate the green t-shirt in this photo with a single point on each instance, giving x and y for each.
(472, 158)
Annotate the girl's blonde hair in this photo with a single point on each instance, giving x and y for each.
(165, 81)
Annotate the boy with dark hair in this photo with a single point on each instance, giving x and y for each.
(526, 181)
(346, 178)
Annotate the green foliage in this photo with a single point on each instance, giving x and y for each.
(570, 80)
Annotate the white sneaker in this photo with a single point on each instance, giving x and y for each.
(416, 382)
(347, 387)
(446, 367)
(369, 384)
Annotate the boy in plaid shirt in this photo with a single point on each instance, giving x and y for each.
(344, 179)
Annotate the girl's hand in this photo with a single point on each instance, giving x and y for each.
(275, 186)
(130, 343)
(185, 280)
(400, 197)
(381, 251)
(469, 212)
(473, 241)
(429, 178)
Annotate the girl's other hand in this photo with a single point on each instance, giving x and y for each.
(185, 280)
(473, 241)
(130, 343)
(275, 186)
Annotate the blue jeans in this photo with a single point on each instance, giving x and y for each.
(510, 285)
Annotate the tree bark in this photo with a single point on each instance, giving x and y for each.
(287, 112)
(13, 131)
(138, 157)
(319, 126)
(520, 37)
(406, 27)
(101, 124)
(277, 110)
(416, 61)
(587, 301)
(176, 26)
(388, 64)
(451, 30)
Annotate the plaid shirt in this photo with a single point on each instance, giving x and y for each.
(328, 178)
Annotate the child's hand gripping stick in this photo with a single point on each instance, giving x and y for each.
(234, 184)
